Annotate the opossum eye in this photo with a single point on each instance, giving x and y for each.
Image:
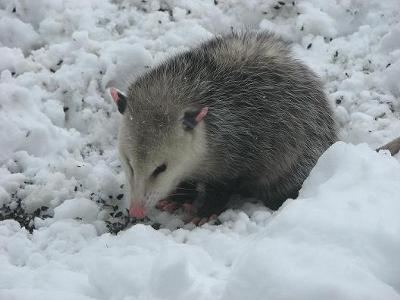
(193, 116)
(119, 98)
(158, 170)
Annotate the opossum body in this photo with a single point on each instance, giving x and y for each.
(236, 115)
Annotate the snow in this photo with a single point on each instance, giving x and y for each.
(342, 234)
(58, 127)
(15, 33)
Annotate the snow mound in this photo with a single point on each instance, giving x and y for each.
(61, 179)
(339, 240)
(15, 33)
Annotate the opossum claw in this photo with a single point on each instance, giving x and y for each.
(195, 221)
(161, 204)
(171, 207)
(168, 206)
(188, 209)
(213, 219)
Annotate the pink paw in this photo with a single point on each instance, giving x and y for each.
(168, 206)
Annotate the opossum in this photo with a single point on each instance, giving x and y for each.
(235, 115)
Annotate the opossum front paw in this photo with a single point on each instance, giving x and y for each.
(198, 221)
(171, 206)
(201, 215)
(168, 205)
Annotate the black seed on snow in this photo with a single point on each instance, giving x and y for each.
(118, 214)
(52, 70)
(388, 65)
(188, 12)
(65, 108)
(120, 196)
(110, 196)
(302, 28)
(60, 62)
(277, 7)
(13, 73)
(75, 189)
(309, 46)
(159, 22)
(43, 208)
(338, 101)
(336, 54)
(215, 2)
(14, 10)
(281, 2)
(156, 226)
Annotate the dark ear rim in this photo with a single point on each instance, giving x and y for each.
(193, 116)
(119, 98)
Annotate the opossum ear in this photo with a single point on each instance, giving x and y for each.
(119, 98)
(194, 116)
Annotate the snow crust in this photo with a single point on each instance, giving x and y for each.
(339, 240)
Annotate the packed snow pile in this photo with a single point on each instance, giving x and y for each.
(62, 190)
(339, 240)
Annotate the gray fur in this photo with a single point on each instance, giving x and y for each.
(268, 121)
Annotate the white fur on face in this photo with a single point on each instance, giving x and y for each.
(182, 157)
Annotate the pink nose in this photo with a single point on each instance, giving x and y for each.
(137, 210)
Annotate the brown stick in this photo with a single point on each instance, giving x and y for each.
(393, 146)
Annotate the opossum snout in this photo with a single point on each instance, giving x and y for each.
(137, 209)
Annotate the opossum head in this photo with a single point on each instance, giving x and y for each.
(160, 145)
